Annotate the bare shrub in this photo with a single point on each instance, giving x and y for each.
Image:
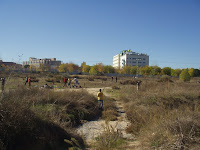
(109, 139)
(132, 82)
(164, 115)
(110, 111)
(165, 78)
(31, 114)
(90, 78)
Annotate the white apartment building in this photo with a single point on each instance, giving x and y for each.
(129, 58)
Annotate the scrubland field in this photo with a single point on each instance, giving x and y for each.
(164, 112)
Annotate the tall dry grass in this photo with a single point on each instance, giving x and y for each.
(43, 118)
(164, 115)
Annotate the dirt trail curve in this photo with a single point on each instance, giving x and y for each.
(92, 129)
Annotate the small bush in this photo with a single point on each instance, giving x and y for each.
(110, 139)
(49, 80)
(185, 76)
(115, 87)
(165, 78)
(90, 78)
(34, 80)
(132, 82)
(110, 110)
(104, 79)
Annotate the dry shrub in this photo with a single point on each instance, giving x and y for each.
(165, 115)
(34, 80)
(20, 129)
(109, 139)
(165, 78)
(90, 78)
(104, 79)
(34, 116)
(49, 80)
(132, 82)
(177, 130)
(114, 87)
(110, 111)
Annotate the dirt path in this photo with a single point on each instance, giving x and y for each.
(92, 129)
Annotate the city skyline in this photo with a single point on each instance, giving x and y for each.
(95, 31)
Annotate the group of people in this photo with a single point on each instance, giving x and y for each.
(67, 82)
(28, 80)
(113, 78)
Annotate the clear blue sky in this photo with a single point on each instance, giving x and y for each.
(95, 30)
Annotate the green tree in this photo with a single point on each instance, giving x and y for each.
(26, 66)
(85, 68)
(155, 70)
(146, 70)
(133, 70)
(62, 68)
(94, 70)
(166, 71)
(196, 72)
(126, 70)
(191, 71)
(175, 72)
(108, 69)
(185, 76)
(83, 64)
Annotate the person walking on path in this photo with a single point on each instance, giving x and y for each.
(26, 80)
(2, 83)
(69, 83)
(100, 99)
(76, 82)
(116, 79)
(65, 82)
(29, 82)
(112, 78)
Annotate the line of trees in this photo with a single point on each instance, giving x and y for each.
(100, 69)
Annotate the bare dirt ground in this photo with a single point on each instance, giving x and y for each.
(92, 129)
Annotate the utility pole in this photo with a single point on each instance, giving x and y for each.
(137, 68)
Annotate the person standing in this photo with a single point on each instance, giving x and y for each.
(29, 82)
(2, 84)
(65, 82)
(138, 85)
(76, 84)
(100, 99)
(116, 79)
(26, 80)
(69, 83)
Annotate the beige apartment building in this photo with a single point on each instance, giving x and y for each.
(51, 62)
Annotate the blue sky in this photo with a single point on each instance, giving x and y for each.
(95, 30)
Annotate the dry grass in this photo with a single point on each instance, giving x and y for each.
(43, 117)
(165, 115)
(110, 111)
(109, 139)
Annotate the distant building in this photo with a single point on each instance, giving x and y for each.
(129, 58)
(51, 62)
(10, 65)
